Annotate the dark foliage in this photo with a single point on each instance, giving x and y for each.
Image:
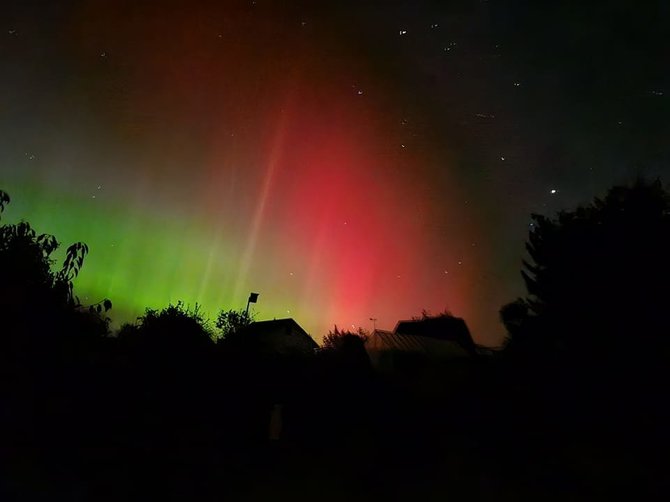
(29, 285)
(174, 328)
(230, 322)
(345, 341)
(346, 350)
(597, 279)
(588, 347)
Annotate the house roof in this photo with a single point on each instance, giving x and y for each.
(269, 330)
(400, 342)
(444, 327)
(381, 341)
(274, 324)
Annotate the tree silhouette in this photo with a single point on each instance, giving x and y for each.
(230, 322)
(346, 349)
(597, 279)
(174, 328)
(342, 340)
(28, 282)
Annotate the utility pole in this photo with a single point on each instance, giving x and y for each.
(374, 324)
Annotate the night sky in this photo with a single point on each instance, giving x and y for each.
(347, 160)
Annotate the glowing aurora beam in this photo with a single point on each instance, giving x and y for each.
(259, 215)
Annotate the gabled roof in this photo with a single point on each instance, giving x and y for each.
(279, 335)
(287, 324)
(385, 341)
(444, 327)
(397, 341)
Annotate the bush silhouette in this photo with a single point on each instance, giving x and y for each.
(174, 329)
(230, 322)
(346, 348)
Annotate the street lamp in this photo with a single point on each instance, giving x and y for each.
(253, 298)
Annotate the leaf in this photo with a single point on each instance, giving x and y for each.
(4, 200)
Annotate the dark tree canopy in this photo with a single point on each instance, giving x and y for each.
(346, 348)
(343, 340)
(29, 285)
(597, 278)
(230, 322)
(175, 328)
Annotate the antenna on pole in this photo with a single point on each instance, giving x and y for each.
(253, 298)
(374, 323)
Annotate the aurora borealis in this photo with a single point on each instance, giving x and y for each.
(346, 160)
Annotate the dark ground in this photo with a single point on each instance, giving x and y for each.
(110, 429)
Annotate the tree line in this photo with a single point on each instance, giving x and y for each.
(573, 404)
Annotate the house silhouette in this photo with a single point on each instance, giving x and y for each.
(419, 342)
(277, 337)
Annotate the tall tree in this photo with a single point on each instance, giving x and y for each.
(597, 278)
(28, 282)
